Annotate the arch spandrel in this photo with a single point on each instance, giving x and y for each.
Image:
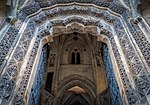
(30, 39)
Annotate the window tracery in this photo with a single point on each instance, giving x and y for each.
(75, 57)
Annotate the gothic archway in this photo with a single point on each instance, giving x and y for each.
(76, 99)
(73, 81)
(106, 22)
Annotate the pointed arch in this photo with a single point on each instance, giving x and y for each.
(40, 27)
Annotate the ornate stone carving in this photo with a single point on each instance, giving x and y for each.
(141, 41)
(135, 65)
(6, 43)
(132, 97)
(14, 65)
(36, 88)
(113, 86)
(5, 88)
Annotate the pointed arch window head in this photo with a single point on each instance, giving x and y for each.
(75, 58)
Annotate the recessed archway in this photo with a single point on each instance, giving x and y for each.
(70, 81)
(107, 25)
(75, 96)
(75, 99)
(74, 87)
(102, 35)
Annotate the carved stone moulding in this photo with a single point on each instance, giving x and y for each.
(101, 22)
(99, 13)
(43, 4)
(111, 6)
(77, 8)
(6, 43)
(53, 32)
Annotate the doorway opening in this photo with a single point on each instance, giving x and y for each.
(75, 96)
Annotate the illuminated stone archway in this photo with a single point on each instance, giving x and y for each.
(105, 22)
(76, 80)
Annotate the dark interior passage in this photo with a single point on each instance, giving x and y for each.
(49, 81)
(74, 99)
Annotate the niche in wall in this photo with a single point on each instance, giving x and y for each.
(49, 82)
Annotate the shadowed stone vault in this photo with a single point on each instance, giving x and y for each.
(75, 52)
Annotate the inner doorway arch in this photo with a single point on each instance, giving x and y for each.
(73, 87)
(73, 81)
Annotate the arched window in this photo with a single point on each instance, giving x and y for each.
(75, 58)
(78, 58)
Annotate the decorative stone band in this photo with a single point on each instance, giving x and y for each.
(102, 22)
(140, 39)
(43, 4)
(6, 44)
